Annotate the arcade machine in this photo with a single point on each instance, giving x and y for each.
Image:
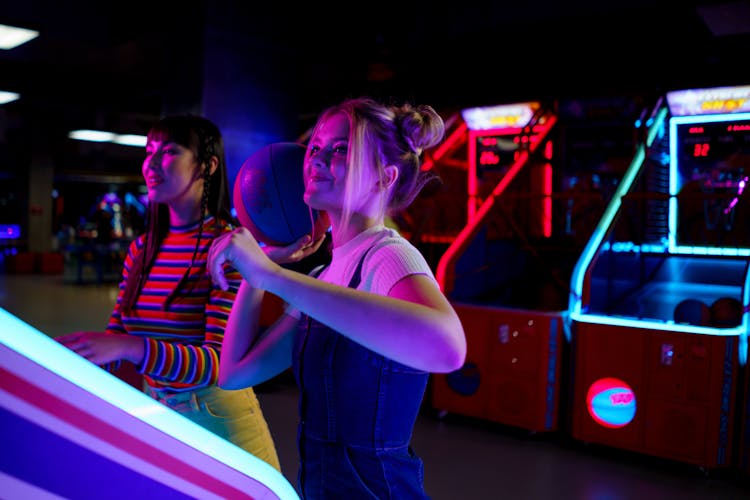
(512, 368)
(71, 430)
(657, 296)
(538, 181)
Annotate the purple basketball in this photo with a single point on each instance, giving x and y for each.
(268, 196)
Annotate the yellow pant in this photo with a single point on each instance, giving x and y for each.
(234, 415)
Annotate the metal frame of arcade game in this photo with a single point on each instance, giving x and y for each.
(72, 430)
(513, 362)
(656, 346)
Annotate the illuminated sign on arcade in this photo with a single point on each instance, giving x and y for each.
(495, 152)
(497, 132)
(718, 100)
(611, 402)
(504, 116)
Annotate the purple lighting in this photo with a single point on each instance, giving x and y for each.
(740, 188)
(10, 231)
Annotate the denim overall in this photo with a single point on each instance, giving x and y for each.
(357, 412)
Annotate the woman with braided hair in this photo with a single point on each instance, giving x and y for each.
(169, 317)
(363, 334)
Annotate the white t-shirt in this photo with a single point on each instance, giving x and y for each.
(391, 258)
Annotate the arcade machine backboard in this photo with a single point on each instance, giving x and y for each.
(658, 293)
(512, 371)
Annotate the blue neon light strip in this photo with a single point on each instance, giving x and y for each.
(670, 326)
(579, 272)
(632, 247)
(745, 324)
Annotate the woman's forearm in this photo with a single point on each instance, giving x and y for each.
(242, 324)
(419, 328)
(250, 356)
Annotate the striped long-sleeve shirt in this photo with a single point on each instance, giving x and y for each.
(183, 342)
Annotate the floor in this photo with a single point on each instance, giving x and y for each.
(464, 458)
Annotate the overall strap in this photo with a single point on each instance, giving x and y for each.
(357, 276)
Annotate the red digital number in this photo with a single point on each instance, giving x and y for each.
(701, 150)
(489, 158)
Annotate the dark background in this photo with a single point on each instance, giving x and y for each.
(264, 71)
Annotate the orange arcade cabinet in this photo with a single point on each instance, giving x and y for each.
(506, 271)
(659, 296)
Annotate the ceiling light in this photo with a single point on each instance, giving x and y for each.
(130, 140)
(102, 136)
(6, 97)
(11, 37)
(92, 135)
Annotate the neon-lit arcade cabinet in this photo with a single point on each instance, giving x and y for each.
(659, 296)
(512, 370)
(537, 180)
(71, 430)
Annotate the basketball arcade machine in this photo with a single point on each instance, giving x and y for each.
(72, 430)
(511, 374)
(655, 358)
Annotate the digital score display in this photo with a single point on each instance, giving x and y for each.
(498, 132)
(715, 154)
(495, 152)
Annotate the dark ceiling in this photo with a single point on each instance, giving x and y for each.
(120, 65)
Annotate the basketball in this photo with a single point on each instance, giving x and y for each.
(268, 196)
(611, 402)
(726, 312)
(692, 312)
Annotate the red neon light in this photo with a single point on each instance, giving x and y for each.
(476, 216)
(472, 181)
(444, 147)
(547, 202)
(548, 150)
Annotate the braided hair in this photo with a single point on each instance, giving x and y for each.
(204, 139)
